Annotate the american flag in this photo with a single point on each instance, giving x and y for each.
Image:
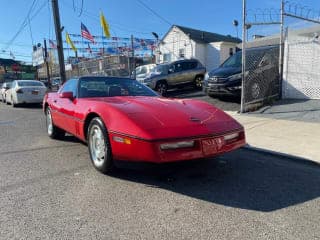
(86, 34)
(52, 44)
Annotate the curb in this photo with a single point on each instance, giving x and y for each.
(288, 157)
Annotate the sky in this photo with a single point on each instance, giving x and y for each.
(136, 17)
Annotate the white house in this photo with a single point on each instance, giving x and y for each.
(211, 49)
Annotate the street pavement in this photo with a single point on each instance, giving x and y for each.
(49, 190)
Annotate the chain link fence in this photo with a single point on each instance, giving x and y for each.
(261, 78)
(301, 79)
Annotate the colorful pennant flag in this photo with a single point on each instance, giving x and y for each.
(104, 25)
(86, 34)
(69, 41)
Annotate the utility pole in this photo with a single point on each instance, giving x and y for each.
(58, 30)
(281, 47)
(46, 61)
(133, 59)
(244, 29)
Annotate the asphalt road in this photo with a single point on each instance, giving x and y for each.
(49, 190)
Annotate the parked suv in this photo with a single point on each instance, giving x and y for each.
(262, 66)
(175, 74)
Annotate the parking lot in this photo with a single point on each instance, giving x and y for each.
(50, 190)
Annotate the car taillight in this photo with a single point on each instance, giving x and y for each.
(19, 91)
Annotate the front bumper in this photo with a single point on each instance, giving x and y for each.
(226, 88)
(149, 151)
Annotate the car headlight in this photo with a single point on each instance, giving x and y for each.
(206, 77)
(235, 77)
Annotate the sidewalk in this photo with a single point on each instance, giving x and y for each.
(291, 137)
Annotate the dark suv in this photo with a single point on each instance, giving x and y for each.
(262, 63)
(175, 74)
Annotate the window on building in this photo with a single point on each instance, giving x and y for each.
(230, 51)
(167, 57)
(181, 52)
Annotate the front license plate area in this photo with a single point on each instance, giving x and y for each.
(212, 145)
(34, 92)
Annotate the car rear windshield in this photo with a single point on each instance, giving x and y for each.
(30, 84)
(110, 87)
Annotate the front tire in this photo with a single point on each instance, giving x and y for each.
(12, 103)
(162, 88)
(99, 146)
(198, 82)
(53, 131)
(255, 90)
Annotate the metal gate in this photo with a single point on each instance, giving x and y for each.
(262, 82)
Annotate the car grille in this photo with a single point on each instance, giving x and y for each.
(217, 79)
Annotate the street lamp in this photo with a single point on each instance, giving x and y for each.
(157, 43)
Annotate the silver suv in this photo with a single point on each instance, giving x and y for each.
(176, 74)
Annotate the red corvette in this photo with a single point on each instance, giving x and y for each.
(121, 119)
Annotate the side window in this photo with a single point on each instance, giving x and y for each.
(185, 66)
(178, 67)
(193, 65)
(71, 86)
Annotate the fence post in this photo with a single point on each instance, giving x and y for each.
(244, 26)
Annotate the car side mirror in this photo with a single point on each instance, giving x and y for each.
(170, 70)
(68, 95)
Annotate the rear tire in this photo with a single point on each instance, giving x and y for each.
(53, 131)
(99, 146)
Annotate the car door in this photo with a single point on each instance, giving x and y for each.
(66, 107)
(174, 76)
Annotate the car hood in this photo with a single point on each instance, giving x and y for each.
(160, 118)
(224, 71)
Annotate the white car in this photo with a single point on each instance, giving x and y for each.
(144, 71)
(4, 88)
(25, 91)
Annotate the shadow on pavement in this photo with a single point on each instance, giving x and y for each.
(241, 179)
(293, 109)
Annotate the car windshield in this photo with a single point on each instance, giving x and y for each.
(163, 68)
(110, 87)
(30, 84)
(233, 61)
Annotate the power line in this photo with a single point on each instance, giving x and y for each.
(113, 24)
(154, 12)
(24, 24)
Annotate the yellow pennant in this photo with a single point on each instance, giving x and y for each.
(69, 41)
(104, 25)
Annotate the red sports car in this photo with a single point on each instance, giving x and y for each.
(121, 119)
